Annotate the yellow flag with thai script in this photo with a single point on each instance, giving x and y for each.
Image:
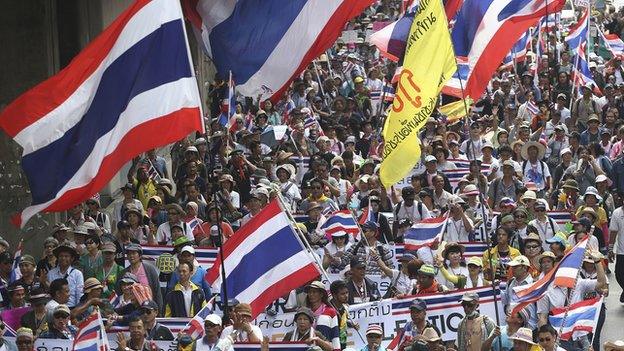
(429, 62)
(455, 110)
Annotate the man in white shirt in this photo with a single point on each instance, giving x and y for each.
(458, 226)
(175, 213)
(616, 230)
(241, 329)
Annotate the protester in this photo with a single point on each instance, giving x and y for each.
(474, 329)
(59, 326)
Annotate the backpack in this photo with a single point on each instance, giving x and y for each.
(398, 208)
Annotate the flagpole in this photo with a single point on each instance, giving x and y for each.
(318, 78)
(304, 242)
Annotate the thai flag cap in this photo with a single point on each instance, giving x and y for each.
(78, 128)
(577, 319)
(264, 260)
(485, 31)
(267, 43)
(425, 233)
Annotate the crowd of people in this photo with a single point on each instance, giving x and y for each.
(534, 142)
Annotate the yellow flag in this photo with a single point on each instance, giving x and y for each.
(429, 62)
(455, 110)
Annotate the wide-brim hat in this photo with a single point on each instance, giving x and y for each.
(288, 168)
(523, 334)
(313, 206)
(592, 191)
(571, 184)
(91, 284)
(617, 345)
(66, 247)
(546, 254)
(178, 209)
(316, 285)
(541, 150)
(453, 247)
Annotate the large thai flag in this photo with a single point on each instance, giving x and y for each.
(580, 318)
(424, 233)
(91, 335)
(485, 31)
(456, 85)
(564, 274)
(267, 43)
(341, 221)
(132, 89)
(518, 51)
(264, 260)
(391, 39)
(578, 33)
(581, 73)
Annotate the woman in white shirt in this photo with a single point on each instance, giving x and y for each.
(453, 265)
(334, 251)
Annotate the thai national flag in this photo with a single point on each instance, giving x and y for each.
(391, 39)
(264, 260)
(581, 73)
(485, 31)
(580, 318)
(532, 108)
(578, 33)
(193, 223)
(91, 335)
(388, 92)
(340, 221)
(228, 105)
(518, 51)
(459, 79)
(613, 43)
(268, 42)
(17, 258)
(132, 89)
(195, 327)
(564, 274)
(425, 233)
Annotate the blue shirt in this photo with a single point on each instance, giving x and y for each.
(76, 283)
(505, 342)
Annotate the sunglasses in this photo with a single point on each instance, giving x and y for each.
(88, 242)
(532, 246)
(24, 342)
(62, 316)
(545, 339)
(209, 325)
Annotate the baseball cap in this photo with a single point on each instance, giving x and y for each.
(430, 158)
(418, 304)
(520, 261)
(374, 329)
(470, 297)
(151, 304)
(214, 319)
(188, 249)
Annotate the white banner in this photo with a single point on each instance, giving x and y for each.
(443, 310)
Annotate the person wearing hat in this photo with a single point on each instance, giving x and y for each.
(475, 328)
(17, 296)
(534, 170)
(452, 271)
(592, 200)
(213, 326)
(568, 197)
(187, 254)
(431, 171)
(520, 266)
(91, 300)
(417, 325)
(176, 302)
(28, 279)
(317, 195)
(532, 249)
(523, 340)
(119, 208)
(374, 335)
(176, 215)
(584, 228)
(361, 288)
(426, 283)
(35, 319)
(59, 326)
(146, 272)
(288, 188)
(583, 108)
(586, 169)
(409, 208)
(153, 329)
(401, 281)
(109, 271)
(495, 259)
(505, 185)
(362, 250)
(24, 340)
(542, 224)
(305, 332)
(102, 220)
(471, 147)
(242, 330)
(335, 249)
(66, 256)
(592, 134)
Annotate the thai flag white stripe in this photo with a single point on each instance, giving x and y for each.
(180, 94)
(259, 235)
(302, 33)
(488, 28)
(219, 11)
(568, 272)
(54, 125)
(275, 275)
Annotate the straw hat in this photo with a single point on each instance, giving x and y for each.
(523, 334)
(541, 150)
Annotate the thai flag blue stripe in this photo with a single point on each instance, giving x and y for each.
(337, 219)
(573, 318)
(264, 257)
(469, 23)
(443, 299)
(247, 20)
(124, 79)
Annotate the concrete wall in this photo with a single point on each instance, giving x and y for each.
(38, 38)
